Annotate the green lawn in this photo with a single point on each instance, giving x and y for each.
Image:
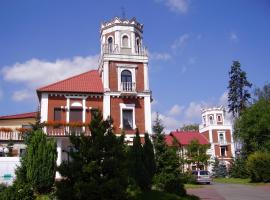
(157, 195)
(237, 181)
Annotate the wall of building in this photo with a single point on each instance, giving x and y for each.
(113, 75)
(16, 123)
(139, 113)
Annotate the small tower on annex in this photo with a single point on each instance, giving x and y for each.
(218, 130)
(123, 68)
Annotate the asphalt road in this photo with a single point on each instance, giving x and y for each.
(221, 191)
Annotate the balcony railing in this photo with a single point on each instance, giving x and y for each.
(128, 87)
(13, 135)
(65, 131)
(222, 143)
(115, 49)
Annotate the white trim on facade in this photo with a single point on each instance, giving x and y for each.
(147, 115)
(127, 107)
(106, 106)
(122, 67)
(44, 107)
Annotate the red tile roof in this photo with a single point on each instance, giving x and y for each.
(87, 82)
(184, 138)
(20, 116)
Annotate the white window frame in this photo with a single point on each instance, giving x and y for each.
(128, 46)
(122, 67)
(221, 133)
(127, 107)
(225, 151)
(219, 115)
(213, 120)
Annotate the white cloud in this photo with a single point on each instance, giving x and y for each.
(35, 72)
(193, 111)
(160, 56)
(176, 110)
(21, 95)
(170, 123)
(177, 6)
(223, 99)
(180, 42)
(233, 37)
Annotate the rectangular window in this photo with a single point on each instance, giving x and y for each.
(223, 151)
(127, 119)
(75, 115)
(57, 114)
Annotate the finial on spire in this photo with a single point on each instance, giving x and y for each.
(123, 12)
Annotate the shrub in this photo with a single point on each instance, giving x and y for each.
(188, 177)
(258, 166)
(238, 168)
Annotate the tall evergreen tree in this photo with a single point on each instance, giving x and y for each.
(97, 169)
(138, 169)
(40, 161)
(167, 177)
(238, 95)
(149, 158)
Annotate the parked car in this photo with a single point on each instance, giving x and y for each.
(202, 176)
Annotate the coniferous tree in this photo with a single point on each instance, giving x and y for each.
(97, 168)
(167, 177)
(40, 162)
(149, 158)
(138, 169)
(238, 95)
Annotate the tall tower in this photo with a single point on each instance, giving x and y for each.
(123, 68)
(218, 131)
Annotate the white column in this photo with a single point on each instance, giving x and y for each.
(106, 75)
(84, 108)
(117, 39)
(132, 38)
(68, 109)
(146, 77)
(84, 112)
(106, 106)
(44, 107)
(232, 143)
(147, 114)
(59, 155)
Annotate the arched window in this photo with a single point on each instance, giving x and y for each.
(221, 137)
(126, 80)
(125, 41)
(110, 44)
(126, 76)
(138, 45)
(211, 119)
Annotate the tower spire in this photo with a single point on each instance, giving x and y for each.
(123, 12)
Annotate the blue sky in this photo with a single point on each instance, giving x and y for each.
(192, 44)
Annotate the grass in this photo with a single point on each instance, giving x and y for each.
(158, 195)
(238, 181)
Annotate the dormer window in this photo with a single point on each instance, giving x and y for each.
(125, 41)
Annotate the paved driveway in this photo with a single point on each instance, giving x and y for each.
(222, 191)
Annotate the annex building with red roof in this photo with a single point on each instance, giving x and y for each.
(215, 132)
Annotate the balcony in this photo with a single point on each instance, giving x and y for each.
(114, 49)
(11, 135)
(66, 131)
(128, 88)
(222, 143)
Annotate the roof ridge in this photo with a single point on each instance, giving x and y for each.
(61, 81)
(4, 116)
